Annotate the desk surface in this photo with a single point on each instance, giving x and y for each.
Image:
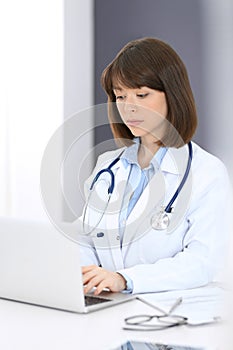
(30, 327)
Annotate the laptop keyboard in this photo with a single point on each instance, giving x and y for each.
(89, 300)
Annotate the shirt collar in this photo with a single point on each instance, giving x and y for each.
(129, 156)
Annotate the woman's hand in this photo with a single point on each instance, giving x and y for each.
(95, 276)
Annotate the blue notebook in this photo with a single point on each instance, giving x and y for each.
(135, 345)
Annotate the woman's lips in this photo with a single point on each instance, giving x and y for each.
(134, 122)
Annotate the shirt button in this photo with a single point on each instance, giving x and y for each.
(123, 222)
(118, 238)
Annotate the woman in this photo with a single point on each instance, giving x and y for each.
(124, 246)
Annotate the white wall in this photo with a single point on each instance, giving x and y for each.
(40, 88)
(218, 50)
(218, 78)
(78, 98)
(78, 55)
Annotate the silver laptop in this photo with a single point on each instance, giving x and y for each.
(38, 265)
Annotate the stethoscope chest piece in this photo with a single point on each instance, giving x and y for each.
(160, 221)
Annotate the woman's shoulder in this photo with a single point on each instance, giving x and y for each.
(208, 169)
(206, 160)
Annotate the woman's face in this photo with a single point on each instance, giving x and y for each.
(143, 110)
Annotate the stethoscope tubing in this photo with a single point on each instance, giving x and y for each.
(166, 210)
(110, 172)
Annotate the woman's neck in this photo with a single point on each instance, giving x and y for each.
(146, 152)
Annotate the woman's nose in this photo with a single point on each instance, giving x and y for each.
(130, 106)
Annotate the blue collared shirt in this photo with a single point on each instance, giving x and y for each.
(137, 180)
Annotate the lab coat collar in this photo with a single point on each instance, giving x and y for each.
(175, 160)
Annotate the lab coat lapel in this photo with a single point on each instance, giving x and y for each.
(155, 194)
(158, 192)
(111, 238)
(174, 161)
(138, 221)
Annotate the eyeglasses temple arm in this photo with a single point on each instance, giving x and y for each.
(175, 305)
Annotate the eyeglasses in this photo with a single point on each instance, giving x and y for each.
(153, 322)
(161, 320)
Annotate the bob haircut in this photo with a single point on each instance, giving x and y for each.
(152, 63)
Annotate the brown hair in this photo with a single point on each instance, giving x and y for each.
(153, 63)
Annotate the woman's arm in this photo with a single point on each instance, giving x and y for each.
(205, 243)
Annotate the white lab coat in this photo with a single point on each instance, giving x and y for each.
(186, 255)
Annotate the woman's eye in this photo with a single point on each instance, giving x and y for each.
(142, 95)
(119, 98)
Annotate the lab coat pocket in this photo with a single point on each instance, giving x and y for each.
(156, 245)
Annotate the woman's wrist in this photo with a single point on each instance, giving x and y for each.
(123, 281)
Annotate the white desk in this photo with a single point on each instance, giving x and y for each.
(30, 327)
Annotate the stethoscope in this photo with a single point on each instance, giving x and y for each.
(160, 220)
